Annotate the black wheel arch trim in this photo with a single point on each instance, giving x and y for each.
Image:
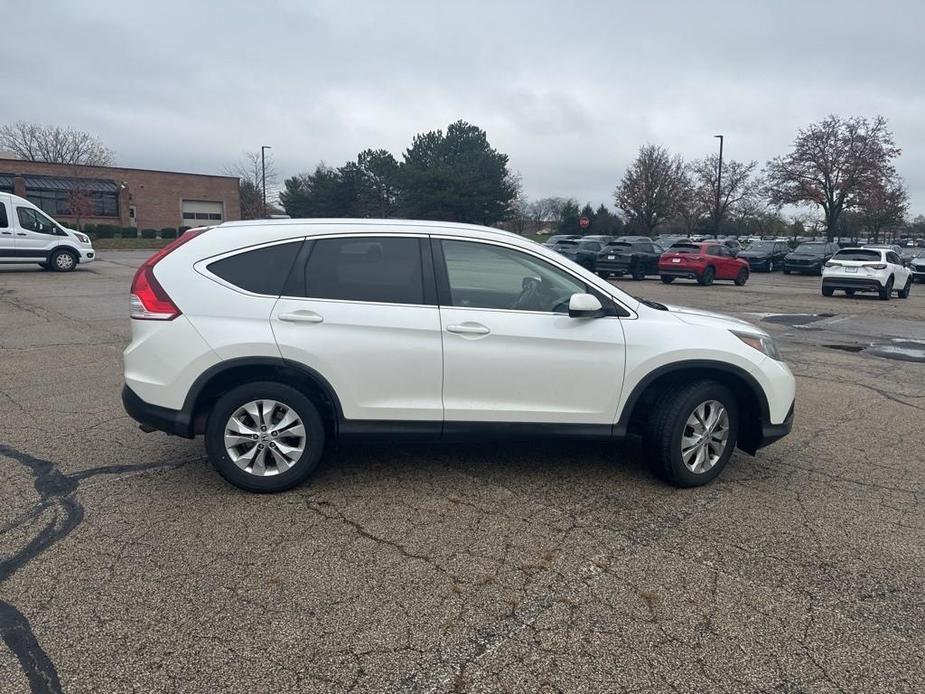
(621, 428)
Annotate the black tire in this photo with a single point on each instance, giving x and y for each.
(827, 291)
(771, 266)
(849, 292)
(904, 292)
(706, 279)
(786, 270)
(741, 278)
(639, 272)
(304, 408)
(668, 422)
(45, 267)
(667, 280)
(63, 261)
(886, 292)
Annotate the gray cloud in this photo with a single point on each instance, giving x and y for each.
(568, 90)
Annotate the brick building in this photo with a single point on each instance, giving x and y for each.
(124, 197)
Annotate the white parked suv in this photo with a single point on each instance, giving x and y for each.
(879, 270)
(28, 235)
(271, 338)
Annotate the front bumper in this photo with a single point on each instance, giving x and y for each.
(757, 263)
(803, 267)
(774, 432)
(918, 272)
(87, 255)
(152, 417)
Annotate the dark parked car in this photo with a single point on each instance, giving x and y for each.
(810, 257)
(733, 245)
(553, 240)
(583, 252)
(765, 255)
(635, 258)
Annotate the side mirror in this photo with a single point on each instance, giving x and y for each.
(583, 306)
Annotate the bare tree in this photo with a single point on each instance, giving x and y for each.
(831, 164)
(650, 190)
(883, 205)
(739, 191)
(249, 170)
(55, 144)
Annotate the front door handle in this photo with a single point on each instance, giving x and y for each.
(468, 328)
(6, 233)
(19, 233)
(301, 317)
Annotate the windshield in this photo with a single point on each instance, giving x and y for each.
(857, 254)
(813, 248)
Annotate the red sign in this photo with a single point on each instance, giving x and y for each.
(584, 222)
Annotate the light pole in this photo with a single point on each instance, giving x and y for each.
(263, 175)
(719, 183)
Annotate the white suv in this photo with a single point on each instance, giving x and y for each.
(28, 235)
(271, 338)
(879, 270)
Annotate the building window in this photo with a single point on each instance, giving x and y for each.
(61, 202)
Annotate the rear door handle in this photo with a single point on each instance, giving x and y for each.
(301, 317)
(468, 328)
(19, 233)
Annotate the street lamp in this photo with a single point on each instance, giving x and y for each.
(263, 174)
(719, 183)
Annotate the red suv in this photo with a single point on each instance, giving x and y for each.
(703, 262)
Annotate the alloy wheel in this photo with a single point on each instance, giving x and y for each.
(705, 436)
(265, 437)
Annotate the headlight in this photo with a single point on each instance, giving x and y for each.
(83, 238)
(763, 343)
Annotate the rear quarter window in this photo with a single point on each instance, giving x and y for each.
(260, 271)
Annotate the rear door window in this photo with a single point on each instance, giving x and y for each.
(261, 271)
(365, 268)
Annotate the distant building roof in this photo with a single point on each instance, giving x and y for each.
(91, 185)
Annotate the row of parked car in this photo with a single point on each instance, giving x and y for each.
(725, 259)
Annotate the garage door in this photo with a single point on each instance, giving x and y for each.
(197, 213)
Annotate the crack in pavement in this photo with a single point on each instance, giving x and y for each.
(57, 490)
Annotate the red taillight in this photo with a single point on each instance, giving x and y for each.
(149, 301)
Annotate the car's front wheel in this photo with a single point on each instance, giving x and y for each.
(63, 261)
(692, 433)
(741, 278)
(904, 292)
(706, 278)
(667, 280)
(264, 436)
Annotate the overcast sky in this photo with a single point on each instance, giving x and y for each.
(568, 90)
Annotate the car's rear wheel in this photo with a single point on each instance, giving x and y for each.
(692, 433)
(827, 291)
(264, 436)
(667, 280)
(886, 291)
(741, 278)
(786, 270)
(639, 272)
(904, 292)
(62, 261)
(707, 277)
(849, 292)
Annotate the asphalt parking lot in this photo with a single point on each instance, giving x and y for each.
(127, 564)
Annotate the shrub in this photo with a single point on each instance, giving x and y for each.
(90, 230)
(168, 233)
(105, 231)
(149, 233)
(129, 233)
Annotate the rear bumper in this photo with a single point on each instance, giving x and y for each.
(619, 267)
(861, 284)
(675, 271)
(175, 422)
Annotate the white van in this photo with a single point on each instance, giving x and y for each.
(28, 235)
